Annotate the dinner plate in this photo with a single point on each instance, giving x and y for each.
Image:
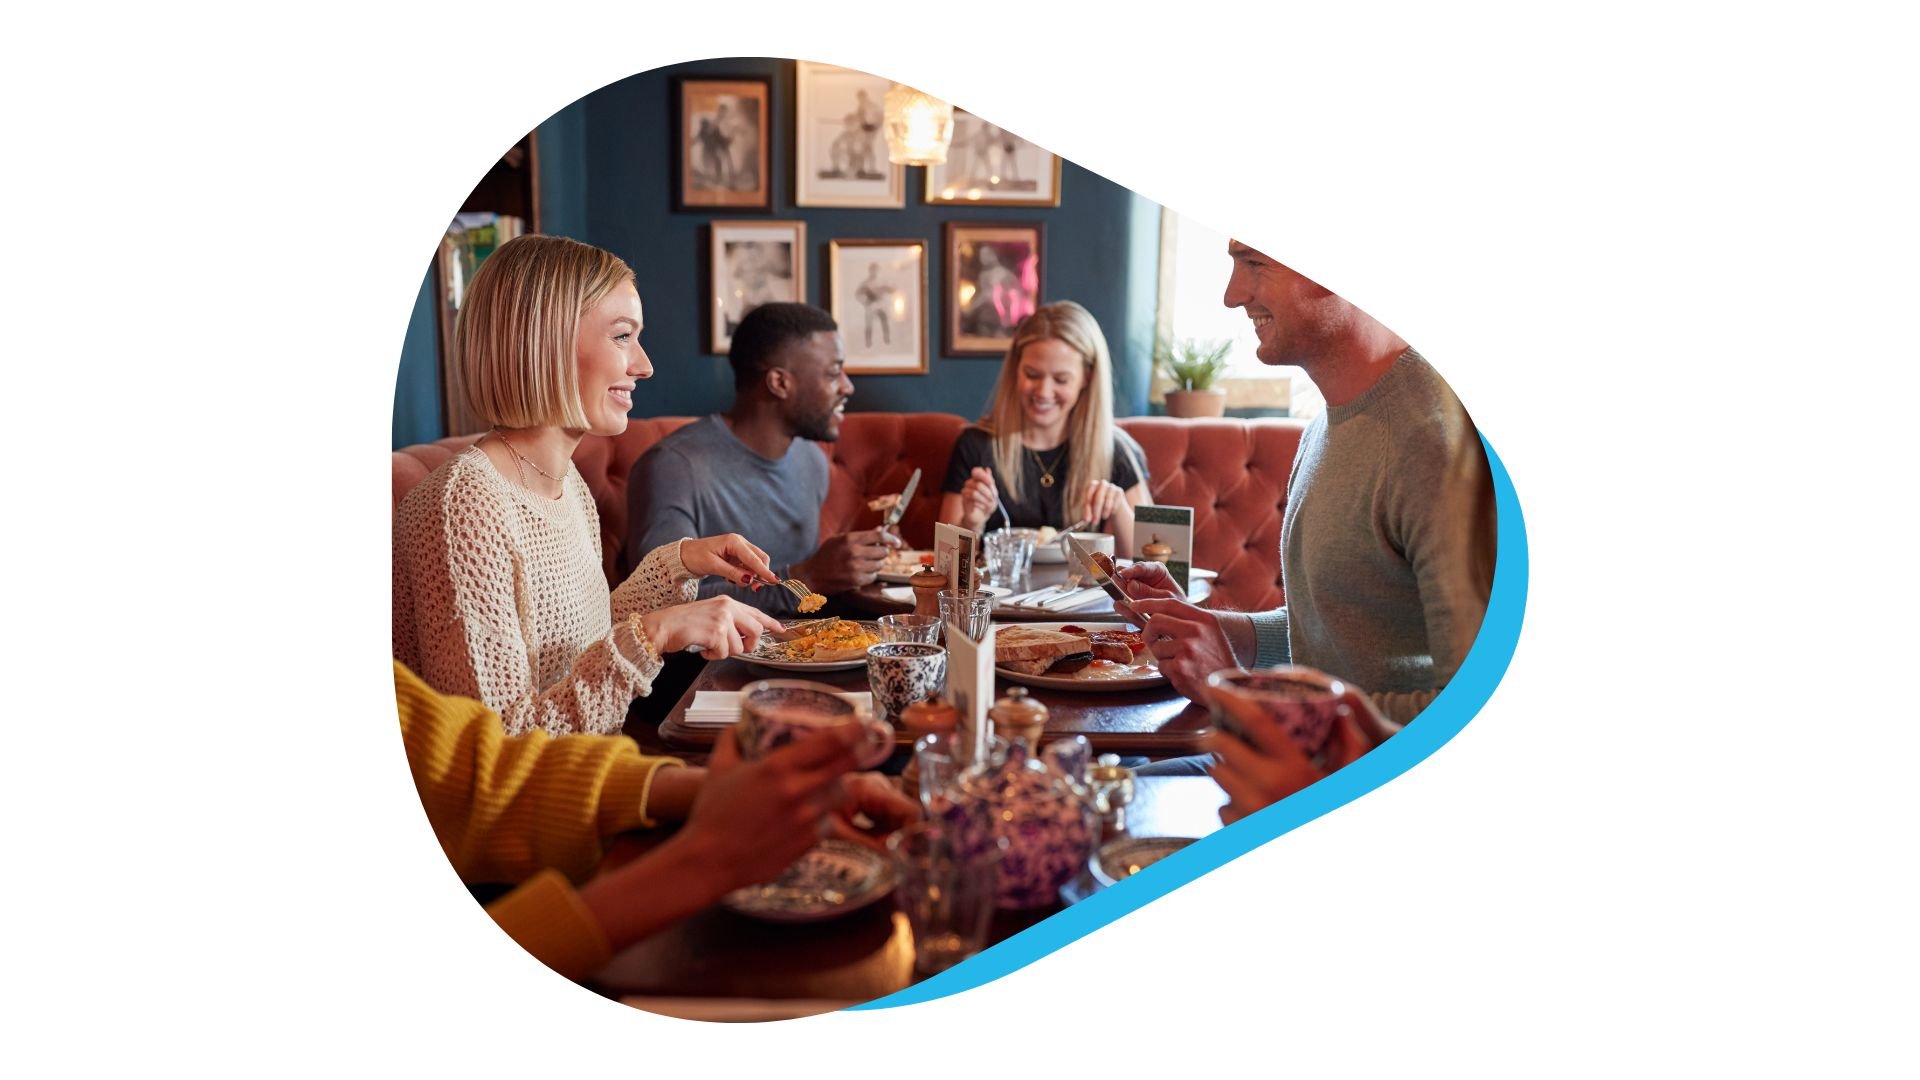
(759, 658)
(913, 559)
(1120, 859)
(836, 878)
(1092, 686)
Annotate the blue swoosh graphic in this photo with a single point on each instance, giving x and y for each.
(1463, 697)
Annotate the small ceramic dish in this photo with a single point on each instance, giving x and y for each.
(1117, 860)
(836, 878)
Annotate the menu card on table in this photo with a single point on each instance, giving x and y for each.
(1169, 525)
(970, 691)
(953, 556)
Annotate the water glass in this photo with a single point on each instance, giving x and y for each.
(970, 612)
(1010, 555)
(934, 761)
(912, 629)
(947, 895)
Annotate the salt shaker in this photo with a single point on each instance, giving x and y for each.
(1112, 785)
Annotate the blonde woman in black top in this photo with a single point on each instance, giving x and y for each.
(1048, 448)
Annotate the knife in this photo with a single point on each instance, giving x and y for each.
(1094, 566)
(906, 496)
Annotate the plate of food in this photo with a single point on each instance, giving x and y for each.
(816, 645)
(1064, 656)
(835, 878)
(1118, 860)
(903, 564)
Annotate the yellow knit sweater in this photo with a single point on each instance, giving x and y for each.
(529, 808)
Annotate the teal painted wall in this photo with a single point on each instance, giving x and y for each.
(606, 170)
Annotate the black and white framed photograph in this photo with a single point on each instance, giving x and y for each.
(839, 149)
(722, 146)
(753, 263)
(993, 281)
(877, 292)
(989, 165)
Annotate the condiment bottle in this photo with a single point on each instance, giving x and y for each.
(927, 585)
(1017, 717)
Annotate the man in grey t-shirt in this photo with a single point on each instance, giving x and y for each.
(755, 469)
(1386, 547)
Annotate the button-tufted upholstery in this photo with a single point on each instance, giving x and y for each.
(1232, 472)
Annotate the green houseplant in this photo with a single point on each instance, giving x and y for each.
(1193, 367)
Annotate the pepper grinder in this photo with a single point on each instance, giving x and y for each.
(1017, 717)
(927, 585)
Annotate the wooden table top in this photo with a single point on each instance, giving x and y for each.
(870, 600)
(1155, 723)
(863, 955)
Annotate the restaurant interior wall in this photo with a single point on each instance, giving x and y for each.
(606, 174)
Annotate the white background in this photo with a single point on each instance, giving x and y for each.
(1664, 253)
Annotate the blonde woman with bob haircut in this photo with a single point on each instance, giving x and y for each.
(498, 591)
(1048, 448)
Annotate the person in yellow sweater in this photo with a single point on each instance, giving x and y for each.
(539, 810)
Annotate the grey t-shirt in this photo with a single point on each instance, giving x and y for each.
(1387, 532)
(702, 481)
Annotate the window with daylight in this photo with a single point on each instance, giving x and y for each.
(1193, 279)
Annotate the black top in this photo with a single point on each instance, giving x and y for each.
(1038, 506)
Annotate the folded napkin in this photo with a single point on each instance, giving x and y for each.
(1079, 598)
(903, 594)
(719, 708)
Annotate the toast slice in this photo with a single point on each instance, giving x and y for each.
(1014, 644)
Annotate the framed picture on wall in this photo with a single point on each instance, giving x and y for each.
(993, 281)
(877, 291)
(987, 164)
(722, 143)
(839, 150)
(753, 263)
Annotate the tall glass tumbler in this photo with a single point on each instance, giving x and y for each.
(971, 612)
(947, 895)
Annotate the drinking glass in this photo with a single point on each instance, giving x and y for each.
(933, 756)
(1010, 555)
(914, 629)
(947, 894)
(970, 612)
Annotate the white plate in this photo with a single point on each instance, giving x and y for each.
(807, 665)
(1070, 682)
(835, 878)
(902, 579)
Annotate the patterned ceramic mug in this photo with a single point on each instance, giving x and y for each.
(1303, 701)
(775, 712)
(901, 673)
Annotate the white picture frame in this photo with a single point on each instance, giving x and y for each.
(877, 291)
(752, 263)
(839, 146)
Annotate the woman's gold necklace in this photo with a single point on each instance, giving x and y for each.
(1046, 471)
(518, 459)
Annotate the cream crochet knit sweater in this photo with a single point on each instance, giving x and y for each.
(499, 595)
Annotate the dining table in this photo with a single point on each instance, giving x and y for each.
(1150, 722)
(722, 965)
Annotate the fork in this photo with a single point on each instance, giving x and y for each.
(800, 591)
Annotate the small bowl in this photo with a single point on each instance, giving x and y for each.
(1056, 552)
(1117, 860)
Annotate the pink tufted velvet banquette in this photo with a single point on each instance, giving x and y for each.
(1232, 472)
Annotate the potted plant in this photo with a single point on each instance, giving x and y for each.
(1193, 366)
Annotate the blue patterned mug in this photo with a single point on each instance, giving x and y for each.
(903, 672)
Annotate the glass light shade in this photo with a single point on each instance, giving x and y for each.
(919, 127)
